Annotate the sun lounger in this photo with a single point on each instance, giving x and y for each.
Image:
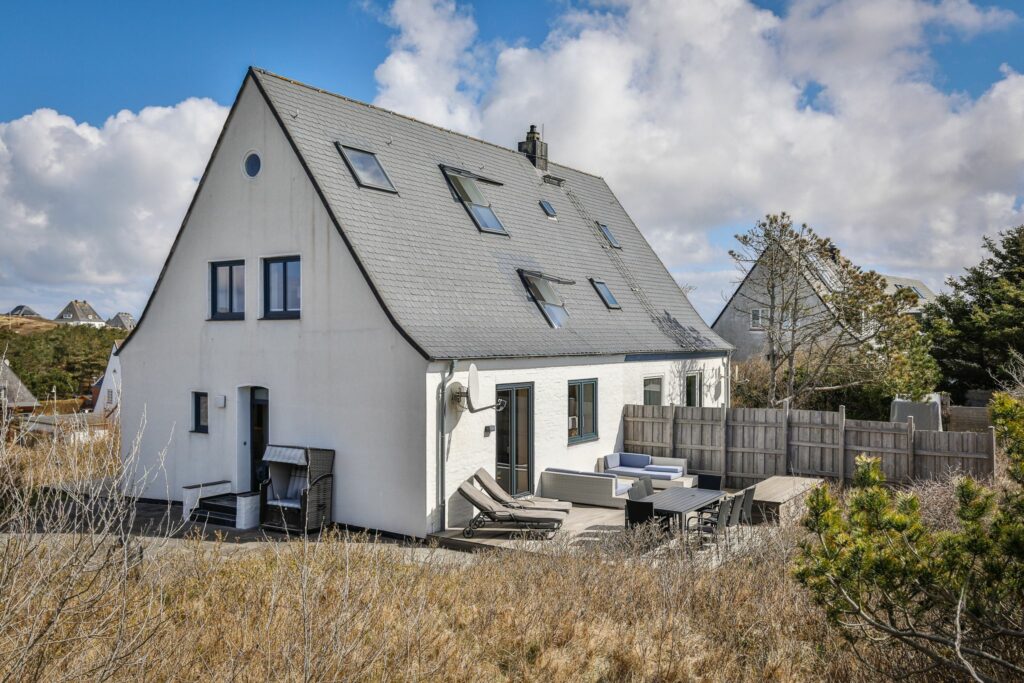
(493, 512)
(492, 488)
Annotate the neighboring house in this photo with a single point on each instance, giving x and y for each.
(122, 321)
(925, 296)
(341, 266)
(743, 320)
(107, 394)
(14, 396)
(79, 313)
(23, 311)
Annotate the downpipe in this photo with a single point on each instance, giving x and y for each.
(442, 419)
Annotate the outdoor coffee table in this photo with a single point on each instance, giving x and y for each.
(682, 501)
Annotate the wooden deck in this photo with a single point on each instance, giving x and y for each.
(586, 525)
(781, 499)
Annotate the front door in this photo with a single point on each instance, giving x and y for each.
(259, 406)
(514, 459)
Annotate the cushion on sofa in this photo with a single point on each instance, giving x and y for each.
(611, 460)
(641, 472)
(665, 468)
(634, 460)
(563, 470)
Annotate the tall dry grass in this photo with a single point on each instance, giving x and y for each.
(82, 597)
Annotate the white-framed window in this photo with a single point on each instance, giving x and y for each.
(653, 390)
(758, 318)
(693, 390)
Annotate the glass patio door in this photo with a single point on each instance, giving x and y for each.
(514, 443)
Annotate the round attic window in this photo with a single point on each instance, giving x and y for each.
(252, 164)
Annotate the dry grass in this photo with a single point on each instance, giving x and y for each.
(25, 325)
(77, 603)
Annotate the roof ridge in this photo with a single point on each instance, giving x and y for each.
(265, 72)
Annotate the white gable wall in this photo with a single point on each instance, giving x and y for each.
(619, 383)
(340, 377)
(110, 388)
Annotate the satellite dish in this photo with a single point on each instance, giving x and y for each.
(473, 386)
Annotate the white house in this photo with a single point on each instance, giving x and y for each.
(79, 313)
(109, 397)
(340, 266)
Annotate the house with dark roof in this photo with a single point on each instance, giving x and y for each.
(421, 302)
(79, 313)
(23, 311)
(122, 321)
(14, 395)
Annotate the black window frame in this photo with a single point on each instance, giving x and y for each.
(286, 314)
(197, 426)
(698, 377)
(549, 209)
(609, 236)
(391, 189)
(232, 314)
(614, 303)
(661, 389)
(582, 437)
(528, 278)
(450, 173)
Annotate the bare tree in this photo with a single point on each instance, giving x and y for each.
(827, 324)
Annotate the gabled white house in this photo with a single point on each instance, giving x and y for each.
(341, 266)
(109, 396)
(79, 313)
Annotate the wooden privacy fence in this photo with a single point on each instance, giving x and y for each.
(749, 445)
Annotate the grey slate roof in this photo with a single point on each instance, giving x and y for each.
(16, 394)
(122, 320)
(79, 312)
(24, 311)
(893, 283)
(456, 292)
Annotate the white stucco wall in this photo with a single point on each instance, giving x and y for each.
(619, 383)
(339, 377)
(110, 389)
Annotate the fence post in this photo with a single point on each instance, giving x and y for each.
(992, 451)
(910, 447)
(842, 445)
(785, 436)
(725, 446)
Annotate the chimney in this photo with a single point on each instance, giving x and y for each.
(535, 150)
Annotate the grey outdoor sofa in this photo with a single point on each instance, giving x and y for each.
(602, 489)
(664, 472)
(493, 512)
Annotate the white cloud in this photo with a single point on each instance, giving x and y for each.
(89, 212)
(697, 115)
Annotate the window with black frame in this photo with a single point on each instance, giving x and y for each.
(467, 189)
(200, 412)
(652, 391)
(282, 287)
(227, 290)
(582, 410)
(694, 387)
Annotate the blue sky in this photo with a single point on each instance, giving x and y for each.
(943, 78)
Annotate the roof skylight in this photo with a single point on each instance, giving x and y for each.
(606, 231)
(479, 209)
(541, 288)
(548, 209)
(605, 293)
(366, 168)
